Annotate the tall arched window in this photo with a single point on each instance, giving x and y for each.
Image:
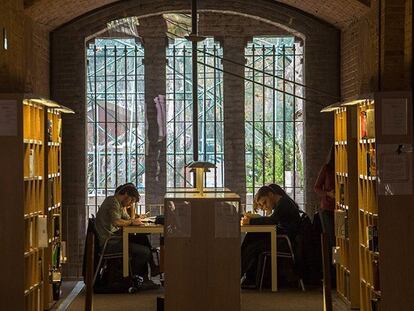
(180, 112)
(115, 117)
(274, 115)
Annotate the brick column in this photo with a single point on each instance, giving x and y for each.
(153, 31)
(234, 127)
(392, 47)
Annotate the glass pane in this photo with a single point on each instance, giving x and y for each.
(274, 148)
(115, 93)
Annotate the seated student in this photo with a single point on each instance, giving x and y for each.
(111, 217)
(284, 214)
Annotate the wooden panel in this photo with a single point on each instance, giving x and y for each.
(353, 206)
(11, 215)
(202, 269)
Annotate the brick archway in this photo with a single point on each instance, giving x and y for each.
(54, 14)
(322, 71)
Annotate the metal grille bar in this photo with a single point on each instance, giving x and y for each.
(209, 113)
(115, 117)
(274, 98)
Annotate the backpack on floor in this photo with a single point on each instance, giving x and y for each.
(308, 250)
(112, 281)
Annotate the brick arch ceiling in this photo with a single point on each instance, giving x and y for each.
(54, 13)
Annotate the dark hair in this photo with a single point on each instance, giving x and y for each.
(129, 189)
(278, 190)
(264, 191)
(275, 189)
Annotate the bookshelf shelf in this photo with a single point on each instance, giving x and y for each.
(33, 199)
(346, 209)
(33, 178)
(346, 204)
(53, 262)
(25, 164)
(368, 199)
(32, 142)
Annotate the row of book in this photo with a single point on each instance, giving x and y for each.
(341, 224)
(371, 162)
(367, 125)
(372, 238)
(50, 130)
(37, 233)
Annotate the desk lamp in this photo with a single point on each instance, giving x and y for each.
(200, 168)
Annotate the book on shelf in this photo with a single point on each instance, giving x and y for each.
(372, 162)
(42, 238)
(63, 251)
(346, 227)
(56, 227)
(31, 162)
(59, 129)
(372, 234)
(363, 124)
(336, 255)
(50, 189)
(342, 193)
(340, 220)
(370, 123)
(49, 130)
(375, 274)
(31, 229)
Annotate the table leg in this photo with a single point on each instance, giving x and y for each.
(273, 251)
(125, 252)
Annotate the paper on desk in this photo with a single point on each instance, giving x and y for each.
(148, 219)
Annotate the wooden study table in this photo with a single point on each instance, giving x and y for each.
(152, 229)
(159, 229)
(273, 246)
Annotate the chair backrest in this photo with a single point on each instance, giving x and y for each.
(91, 230)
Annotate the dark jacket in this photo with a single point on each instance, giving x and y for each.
(285, 215)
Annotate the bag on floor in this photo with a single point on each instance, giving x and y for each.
(112, 281)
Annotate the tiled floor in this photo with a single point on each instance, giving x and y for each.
(286, 300)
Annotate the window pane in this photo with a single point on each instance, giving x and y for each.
(273, 116)
(116, 120)
(180, 112)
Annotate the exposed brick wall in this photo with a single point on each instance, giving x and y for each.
(153, 31)
(393, 46)
(12, 60)
(36, 58)
(377, 55)
(408, 53)
(56, 13)
(234, 128)
(360, 55)
(68, 63)
(24, 66)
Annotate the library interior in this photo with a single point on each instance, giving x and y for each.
(206, 155)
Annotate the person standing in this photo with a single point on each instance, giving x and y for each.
(325, 189)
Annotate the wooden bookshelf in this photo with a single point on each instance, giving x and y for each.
(346, 210)
(53, 202)
(367, 202)
(28, 161)
(34, 193)
(374, 192)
